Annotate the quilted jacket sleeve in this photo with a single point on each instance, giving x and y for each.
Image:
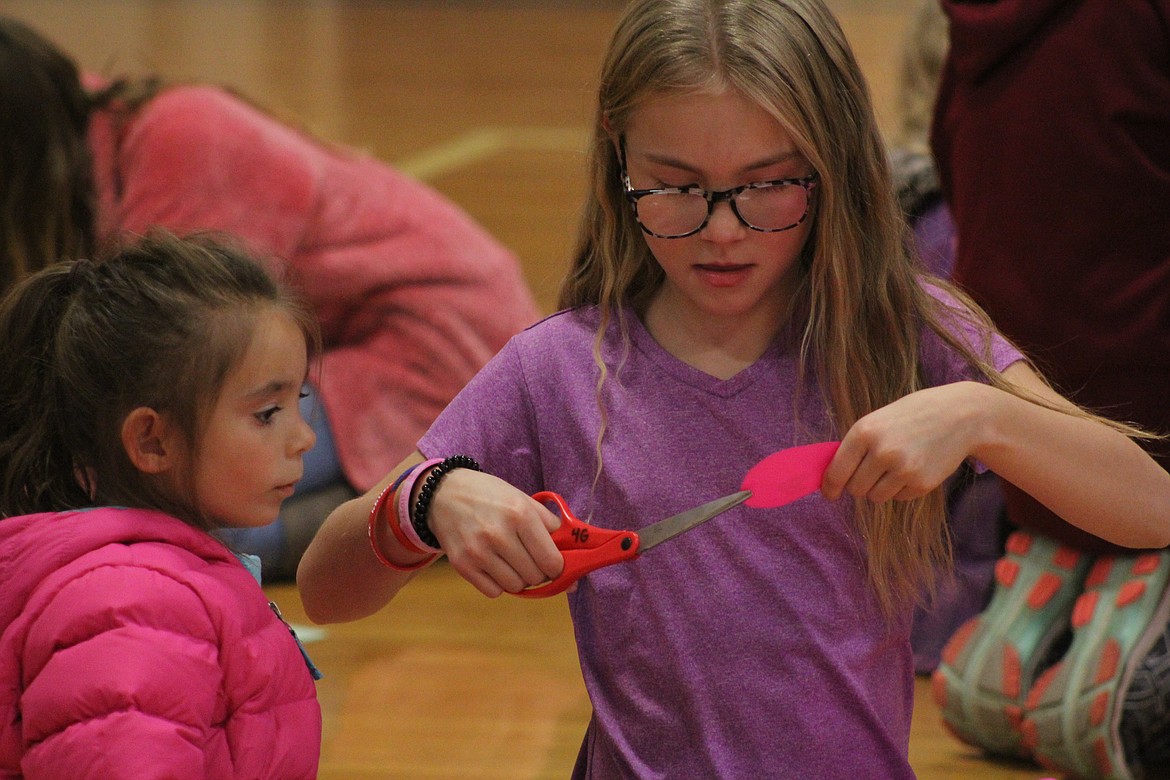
(121, 678)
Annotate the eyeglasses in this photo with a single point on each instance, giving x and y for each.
(677, 212)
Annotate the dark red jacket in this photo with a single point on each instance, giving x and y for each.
(1052, 133)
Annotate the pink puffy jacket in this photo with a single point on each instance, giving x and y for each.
(135, 646)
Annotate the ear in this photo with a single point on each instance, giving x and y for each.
(607, 127)
(149, 440)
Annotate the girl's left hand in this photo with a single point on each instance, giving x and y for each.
(908, 448)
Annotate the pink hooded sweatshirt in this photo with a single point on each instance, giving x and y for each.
(135, 646)
(413, 296)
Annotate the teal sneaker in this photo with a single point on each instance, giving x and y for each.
(1073, 714)
(988, 667)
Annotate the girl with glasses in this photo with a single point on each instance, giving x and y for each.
(698, 335)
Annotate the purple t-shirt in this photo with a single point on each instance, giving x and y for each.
(747, 646)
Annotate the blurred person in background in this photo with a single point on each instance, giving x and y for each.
(1051, 133)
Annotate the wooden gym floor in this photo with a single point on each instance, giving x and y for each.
(489, 102)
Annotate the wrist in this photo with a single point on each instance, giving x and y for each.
(988, 420)
(402, 522)
(386, 539)
(430, 478)
(394, 551)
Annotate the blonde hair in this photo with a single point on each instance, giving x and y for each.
(861, 297)
(924, 50)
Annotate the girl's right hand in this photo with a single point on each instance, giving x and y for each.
(496, 537)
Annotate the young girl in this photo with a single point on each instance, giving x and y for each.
(146, 399)
(413, 296)
(741, 286)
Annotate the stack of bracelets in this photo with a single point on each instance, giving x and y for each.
(410, 526)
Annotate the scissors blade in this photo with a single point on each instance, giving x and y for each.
(657, 533)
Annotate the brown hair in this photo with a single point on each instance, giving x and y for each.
(47, 200)
(924, 49)
(158, 323)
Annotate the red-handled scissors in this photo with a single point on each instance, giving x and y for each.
(586, 547)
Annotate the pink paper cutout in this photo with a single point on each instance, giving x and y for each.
(789, 474)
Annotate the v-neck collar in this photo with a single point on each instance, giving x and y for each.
(645, 343)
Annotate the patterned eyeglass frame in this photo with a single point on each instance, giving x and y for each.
(713, 197)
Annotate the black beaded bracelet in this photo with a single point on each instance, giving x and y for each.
(418, 518)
